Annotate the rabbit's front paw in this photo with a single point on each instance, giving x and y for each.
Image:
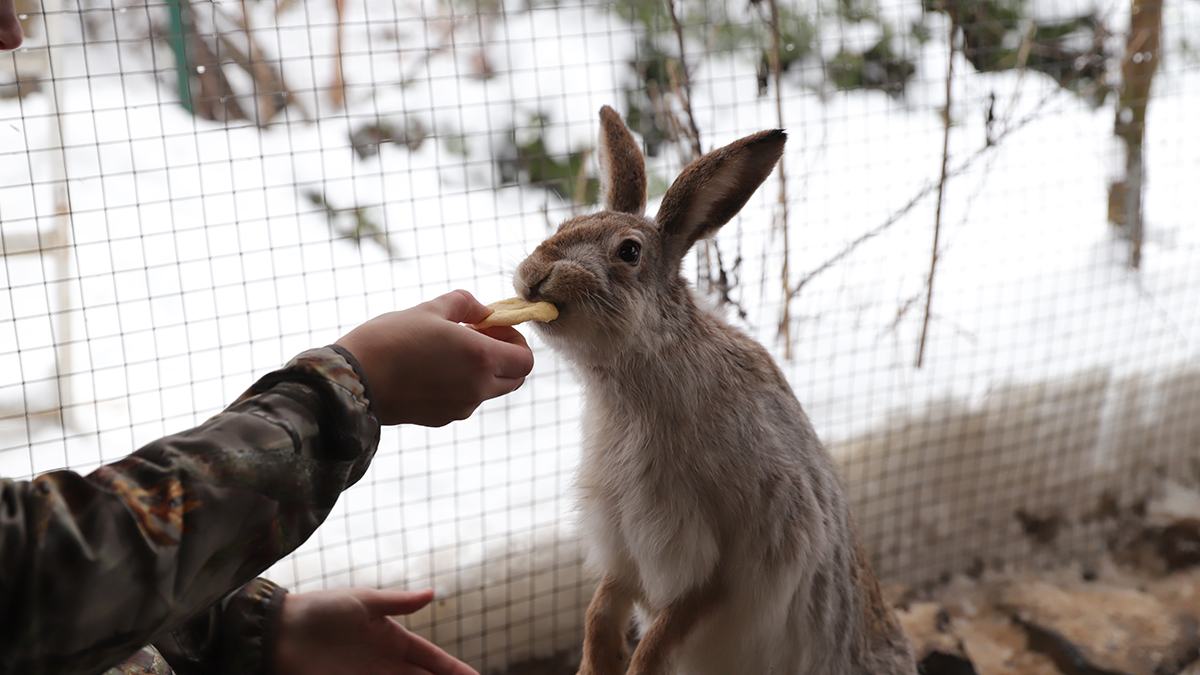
(589, 670)
(611, 662)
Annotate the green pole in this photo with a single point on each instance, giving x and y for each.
(176, 37)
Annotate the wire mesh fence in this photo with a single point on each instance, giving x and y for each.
(193, 191)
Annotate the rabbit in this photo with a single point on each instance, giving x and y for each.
(706, 501)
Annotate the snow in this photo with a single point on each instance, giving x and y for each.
(196, 264)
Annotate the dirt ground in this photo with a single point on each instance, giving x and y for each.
(1134, 611)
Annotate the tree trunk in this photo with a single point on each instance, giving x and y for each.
(1142, 54)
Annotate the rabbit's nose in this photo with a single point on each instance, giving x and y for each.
(530, 293)
(528, 282)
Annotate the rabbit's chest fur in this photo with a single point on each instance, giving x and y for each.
(700, 465)
(643, 512)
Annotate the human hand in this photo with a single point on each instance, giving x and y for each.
(426, 368)
(351, 631)
(10, 29)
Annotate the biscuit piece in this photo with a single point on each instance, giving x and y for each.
(513, 311)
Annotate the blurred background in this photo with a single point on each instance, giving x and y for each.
(978, 263)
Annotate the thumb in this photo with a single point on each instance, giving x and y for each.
(391, 603)
(460, 307)
(10, 28)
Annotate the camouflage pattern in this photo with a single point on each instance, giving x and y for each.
(147, 661)
(163, 546)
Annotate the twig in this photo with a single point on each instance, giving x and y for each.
(581, 182)
(217, 100)
(862, 239)
(1022, 63)
(266, 77)
(268, 82)
(663, 117)
(937, 218)
(681, 85)
(682, 130)
(361, 226)
(686, 99)
(260, 71)
(785, 321)
(271, 91)
(724, 285)
(900, 314)
(337, 88)
(924, 192)
(446, 44)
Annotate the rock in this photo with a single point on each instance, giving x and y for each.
(1179, 544)
(937, 649)
(1179, 591)
(996, 645)
(1162, 549)
(1096, 630)
(992, 641)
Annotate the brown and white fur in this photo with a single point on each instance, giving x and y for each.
(707, 501)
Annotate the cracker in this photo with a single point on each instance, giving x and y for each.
(513, 311)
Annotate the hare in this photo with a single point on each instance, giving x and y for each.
(706, 500)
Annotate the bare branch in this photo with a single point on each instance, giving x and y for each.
(785, 320)
(937, 218)
(922, 193)
(445, 45)
(685, 97)
(269, 87)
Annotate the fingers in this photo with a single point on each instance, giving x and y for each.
(427, 368)
(11, 35)
(392, 603)
(505, 334)
(425, 654)
(460, 307)
(510, 352)
(512, 356)
(505, 385)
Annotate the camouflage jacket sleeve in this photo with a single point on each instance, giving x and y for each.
(93, 568)
(235, 636)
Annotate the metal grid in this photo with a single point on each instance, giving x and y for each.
(158, 258)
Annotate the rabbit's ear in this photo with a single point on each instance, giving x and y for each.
(712, 189)
(622, 169)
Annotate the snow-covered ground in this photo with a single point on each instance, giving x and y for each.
(196, 264)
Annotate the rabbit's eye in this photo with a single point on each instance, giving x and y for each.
(630, 251)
